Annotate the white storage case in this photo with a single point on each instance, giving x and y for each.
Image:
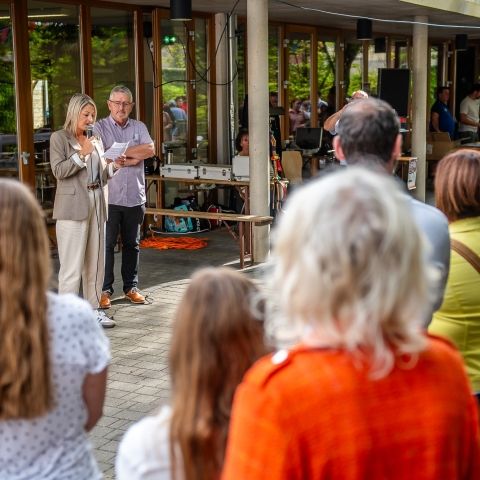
(179, 170)
(215, 172)
(241, 167)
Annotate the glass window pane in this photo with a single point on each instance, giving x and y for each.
(201, 89)
(241, 70)
(174, 86)
(113, 55)
(55, 68)
(326, 80)
(149, 73)
(353, 67)
(375, 61)
(273, 59)
(401, 54)
(434, 74)
(8, 126)
(299, 73)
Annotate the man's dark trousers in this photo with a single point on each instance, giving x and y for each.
(126, 221)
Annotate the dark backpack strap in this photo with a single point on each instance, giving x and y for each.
(469, 255)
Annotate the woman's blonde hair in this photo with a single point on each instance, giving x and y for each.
(25, 373)
(77, 103)
(216, 338)
(348, 268)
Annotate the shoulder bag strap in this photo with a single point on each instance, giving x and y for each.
(469, 255)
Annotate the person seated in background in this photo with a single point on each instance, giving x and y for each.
(441, 120)
(275, 127)
(241, 143)
(181, 102)
(306, 108)
(53, 355)
(457, 194)
(331, 122)
(296, 115)
(217, 336)
(179, 131)
(470, 115)
(322, 110)
(168, 123)
(364, 393)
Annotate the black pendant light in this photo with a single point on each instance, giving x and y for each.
(461, 41)
(364, 29)
(180, 10)
(380, 45)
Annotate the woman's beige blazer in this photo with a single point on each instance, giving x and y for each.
(71, 198)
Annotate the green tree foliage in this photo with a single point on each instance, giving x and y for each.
(352, 69)
(326, 68)
(299, 69)
(54, 53)
(7, 87)
(273, 62)
(174, 70)
(433, 77)
(112, 59)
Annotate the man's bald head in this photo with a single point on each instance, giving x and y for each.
(368, 130)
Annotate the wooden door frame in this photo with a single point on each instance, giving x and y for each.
(23, 92)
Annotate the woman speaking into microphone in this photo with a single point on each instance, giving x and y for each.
(80, 204)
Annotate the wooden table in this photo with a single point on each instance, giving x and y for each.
(243, 187)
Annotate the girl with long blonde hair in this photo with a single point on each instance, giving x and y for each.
(53, 355)
(216, 338)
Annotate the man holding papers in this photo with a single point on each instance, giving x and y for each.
(126, 202)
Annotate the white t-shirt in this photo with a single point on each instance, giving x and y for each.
(55, 446)
(144, 452)
(470, 108)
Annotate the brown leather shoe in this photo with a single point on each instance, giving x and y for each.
(105, 300)
(135, 296)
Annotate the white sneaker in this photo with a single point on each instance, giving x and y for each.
(104, 321)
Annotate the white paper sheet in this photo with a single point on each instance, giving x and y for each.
(116, 150)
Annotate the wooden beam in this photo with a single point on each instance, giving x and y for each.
(23, 95)
(86, 70)
(157, 80)
(139, 65)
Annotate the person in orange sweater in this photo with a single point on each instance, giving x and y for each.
(365, 393)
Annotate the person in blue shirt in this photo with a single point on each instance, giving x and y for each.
(441, 120)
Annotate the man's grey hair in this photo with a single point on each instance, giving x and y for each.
(121, 89)
(368, 130)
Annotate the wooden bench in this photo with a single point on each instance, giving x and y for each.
(245, 236)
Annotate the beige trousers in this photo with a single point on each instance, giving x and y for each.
(81, 251)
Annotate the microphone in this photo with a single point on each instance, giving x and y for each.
(89, 131)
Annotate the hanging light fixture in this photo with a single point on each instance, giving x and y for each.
(380, 45)
(364, 29)
(461, 41)
(180, 10)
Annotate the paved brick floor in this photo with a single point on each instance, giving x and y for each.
(138, 380)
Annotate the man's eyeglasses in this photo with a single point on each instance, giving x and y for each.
(122, 104)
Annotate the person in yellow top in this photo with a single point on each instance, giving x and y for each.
(457, 194)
